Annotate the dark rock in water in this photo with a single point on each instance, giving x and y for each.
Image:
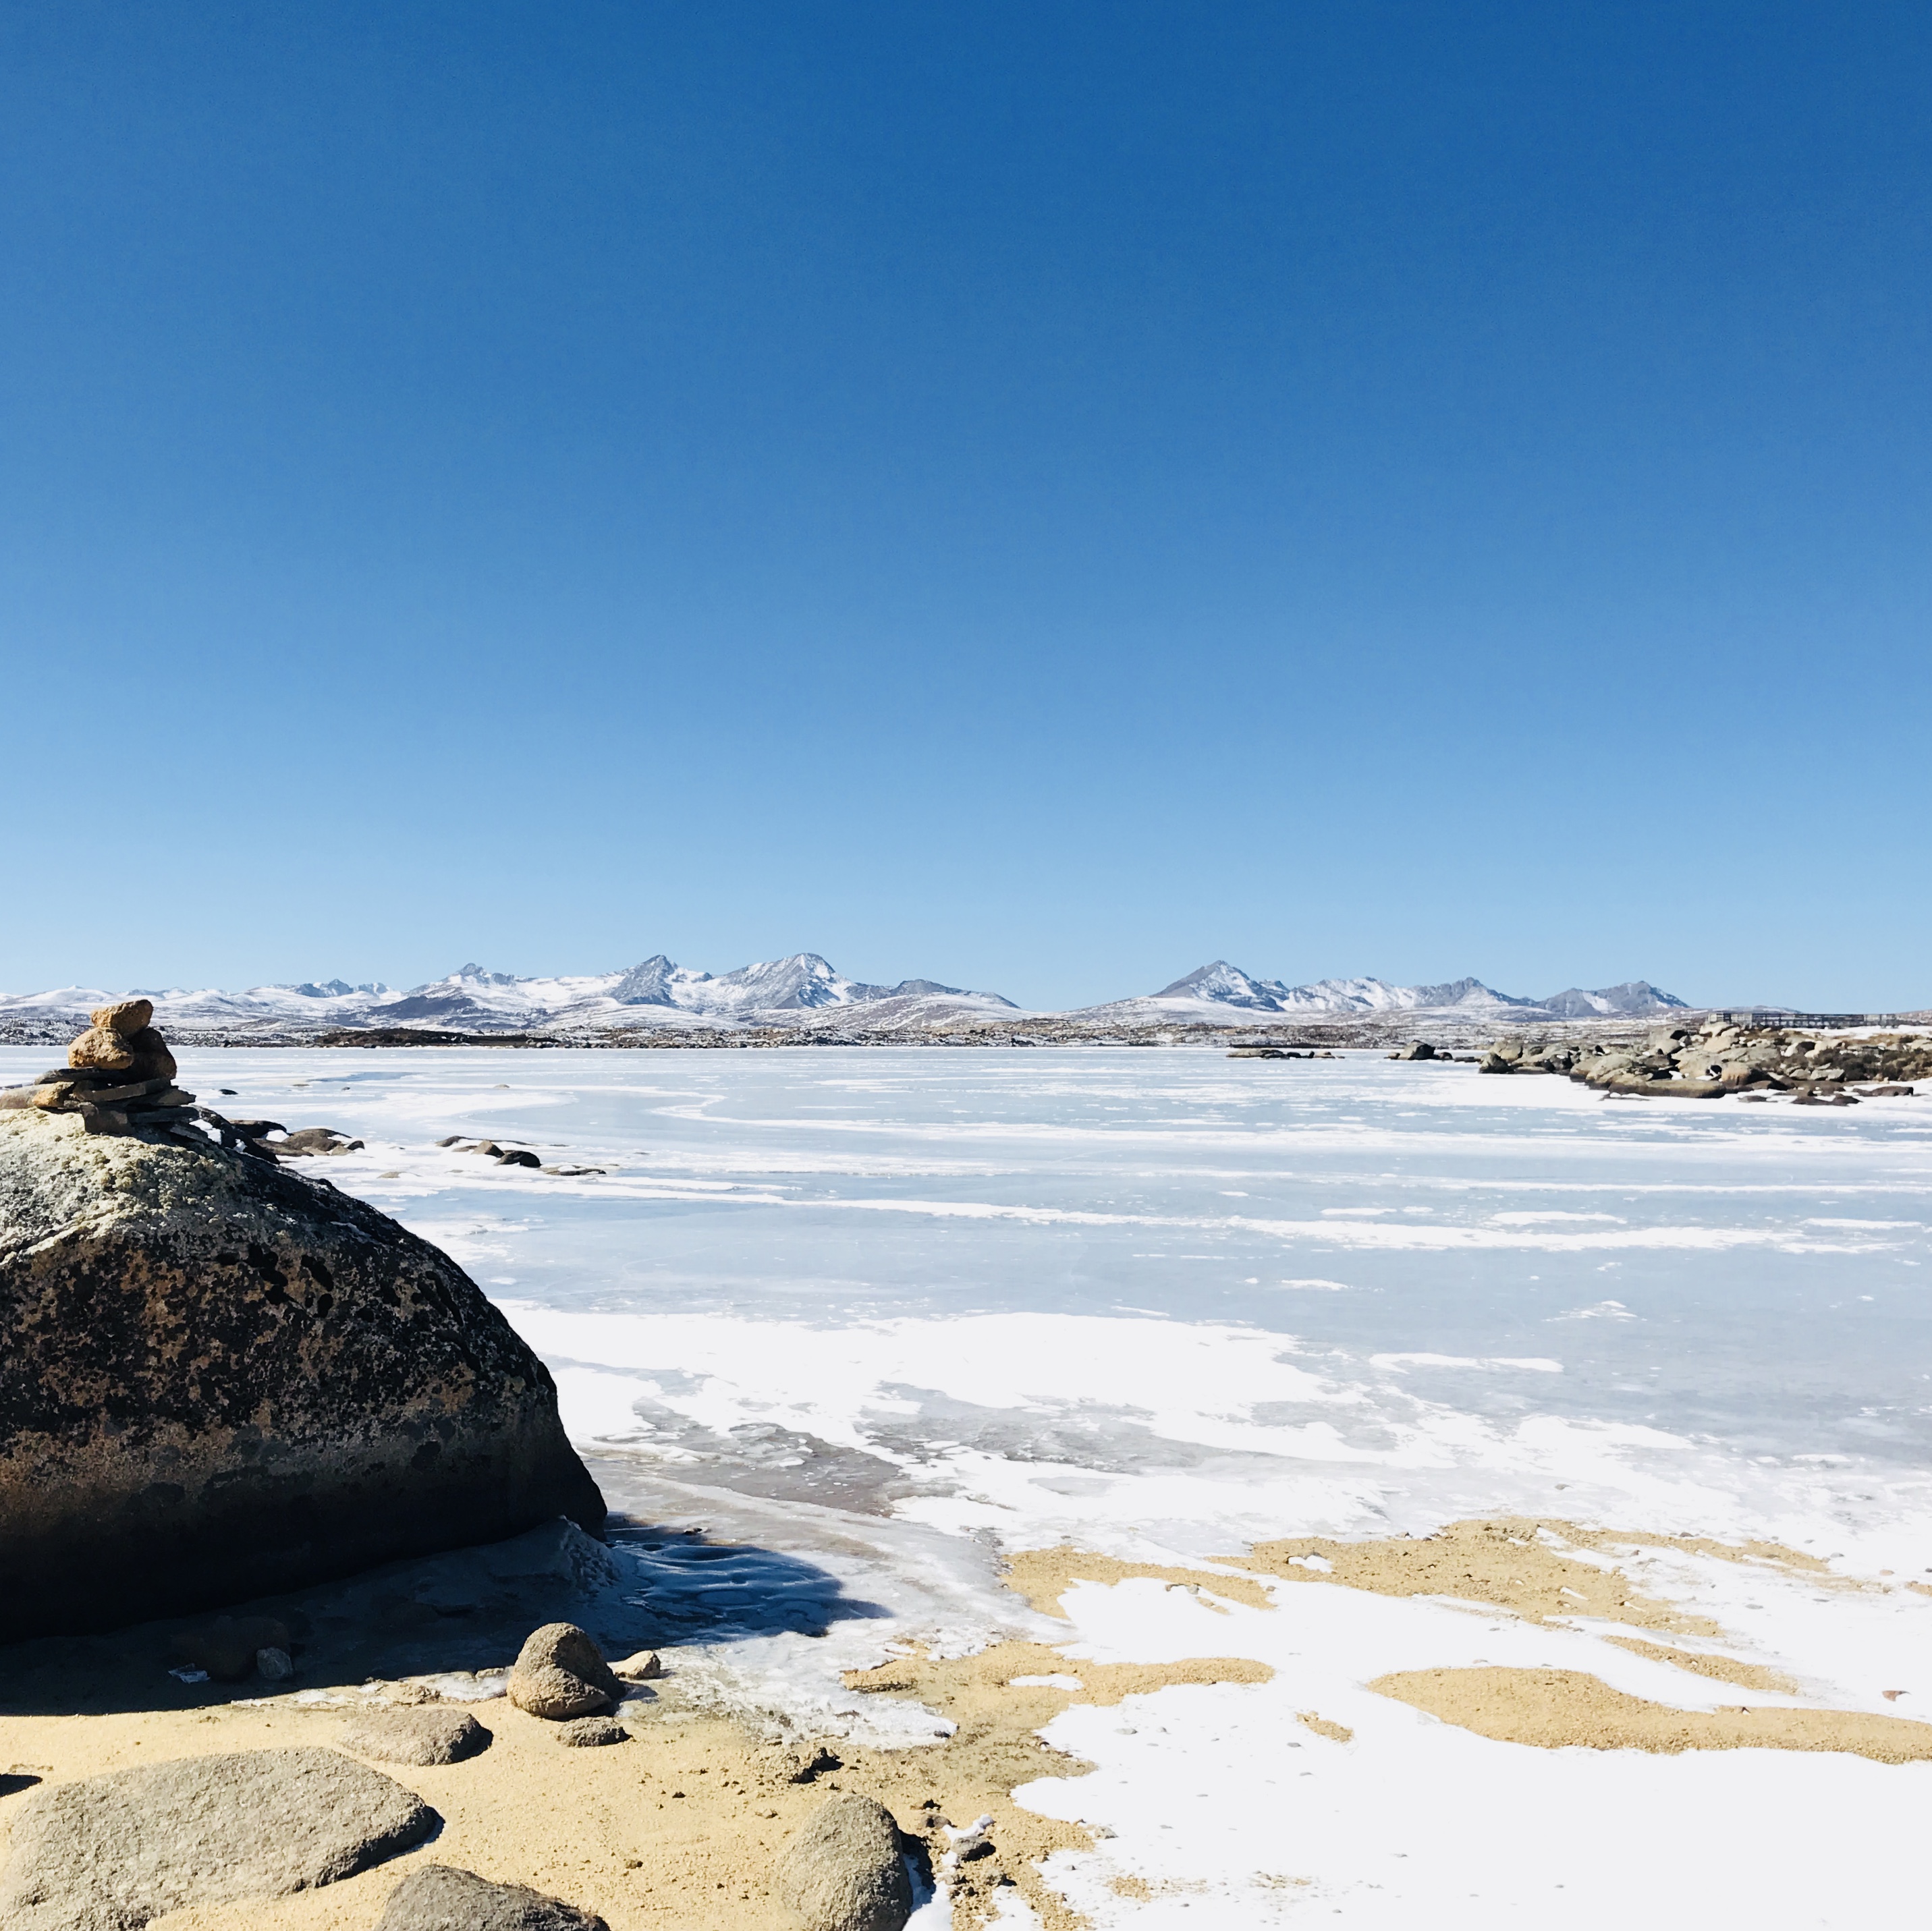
(517, 1157)
(219, 1381)
(843, 1872)
(439, 1897)
(226, 1646)
(560, 1673)
(316, 1140)
(112, 1853)
(429, 1734)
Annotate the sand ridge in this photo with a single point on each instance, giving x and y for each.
(1519, 1563)
(1560, 1709)
(1043, 1575)
(1720, 1668)
(1509, 1562)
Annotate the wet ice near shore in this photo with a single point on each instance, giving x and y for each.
(875, 1317)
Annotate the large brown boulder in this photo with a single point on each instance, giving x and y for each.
(220, 1381)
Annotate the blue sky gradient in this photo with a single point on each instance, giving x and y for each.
(1036, 496)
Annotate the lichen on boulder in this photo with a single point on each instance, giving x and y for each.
(219, 1380)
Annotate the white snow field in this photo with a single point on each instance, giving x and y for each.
(881, 1315)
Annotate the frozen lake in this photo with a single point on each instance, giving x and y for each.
(899, 1310)
(1749, 1272)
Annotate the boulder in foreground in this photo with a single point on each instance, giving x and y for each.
(111, 1853)
(219, 1381)
(843, 1872)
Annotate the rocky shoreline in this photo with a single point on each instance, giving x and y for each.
(1718, 1059)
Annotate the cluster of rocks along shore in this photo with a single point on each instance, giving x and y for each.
(1711, 1060)
(112, 1852)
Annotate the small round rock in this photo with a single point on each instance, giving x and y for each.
(560, 1673)
(587, 1733)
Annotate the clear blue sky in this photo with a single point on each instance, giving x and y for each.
(1035, 495)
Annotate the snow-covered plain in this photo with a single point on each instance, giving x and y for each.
(881, 1315)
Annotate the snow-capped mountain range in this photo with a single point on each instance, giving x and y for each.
(802, 990)
(474, 999)
(1224, 984)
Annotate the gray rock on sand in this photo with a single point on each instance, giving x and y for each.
(560, 1673)
(111, 1853)
(220, 1381)
(590, 1733)
(429, 1734)
(439, 1897)
(843, 1871)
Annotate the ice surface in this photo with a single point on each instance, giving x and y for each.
(878, 1314)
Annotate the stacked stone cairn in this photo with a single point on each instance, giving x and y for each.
(1710, 1061)
(120, 1078)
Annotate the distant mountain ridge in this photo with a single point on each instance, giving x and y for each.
(474, 999)
(1221, 984)
(802, 989)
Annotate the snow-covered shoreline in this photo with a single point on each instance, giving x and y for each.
(903, 1316)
